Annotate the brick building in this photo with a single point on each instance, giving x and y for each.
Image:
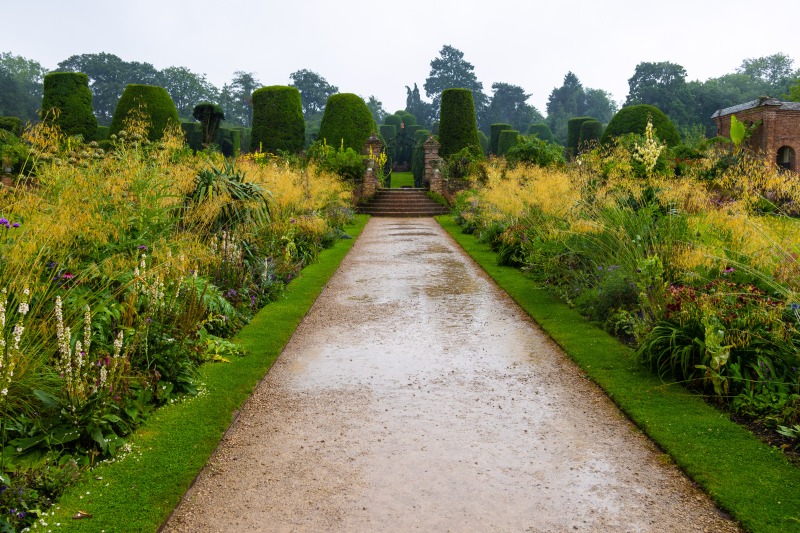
(778, 135)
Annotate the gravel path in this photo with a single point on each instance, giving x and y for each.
(417, 396)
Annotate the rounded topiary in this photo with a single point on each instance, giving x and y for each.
(155, 103)
(408, 118)
(347, 122)
(278, 122)
(591, 130)
(457, 126)
(393, 120)
(494, 134)
(210, 116)
(574, 133)
(67, 100)
(633, 119)
(508, 139)
(542, 131)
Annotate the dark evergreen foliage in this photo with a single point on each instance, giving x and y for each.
(494, 137)
(508, 139)
(574, 133)
(347, 122)
(155, 102)
(541, 130)
(12, 124)
(591, 130)
(210, 116)
(278, 122)
(67, 101)
(633, 119)
(458, 128)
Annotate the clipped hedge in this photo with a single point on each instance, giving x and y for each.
(418, 156)
(494, 135)
(458, 128)
(389, 134)
(574, 133)
(633, 119)
(542, 131)
(12, 124)
(347, 122)
(591, 130)
(67, 102)
(102, 133)
(229, 141)
(484, 140)
(193, 133)
(156, 104)
(278, 123)
(508, 139)
(393, 120)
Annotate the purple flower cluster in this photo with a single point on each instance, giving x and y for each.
(5, 222)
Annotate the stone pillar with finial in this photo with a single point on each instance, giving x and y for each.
(372, 149)
(432, 175)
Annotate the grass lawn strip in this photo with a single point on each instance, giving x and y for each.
(402, 179)
(139, 492)
(750, 480)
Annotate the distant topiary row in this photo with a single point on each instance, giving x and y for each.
(574, 134)
(67, 102)
(494, 135)
(542, 131)
(278, 123)
(508, 139)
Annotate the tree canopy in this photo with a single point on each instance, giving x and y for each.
(509, 105)
(314, 91)
(451, 71)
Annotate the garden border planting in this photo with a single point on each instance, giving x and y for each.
(138, 492)
(750, 480)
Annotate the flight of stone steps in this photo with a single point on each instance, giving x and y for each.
(402, 203)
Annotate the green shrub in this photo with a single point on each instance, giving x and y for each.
(458, 128)
(347, 122)
(14, 154)
(389, 132)
(463, 164)
(408, 118)
(633, 119)
(102, 133)
(494, 135)
(193, 133)
(418, 156)
(278, 123)
(508, 138)
(229, 141)
(591, 130)
(574, 133)
(393, 120)
(209, 115)
(531, 150)
(484, 140)
(12, 124)
(542, 131)
(156, 104)
(67, 100)
(345, 162)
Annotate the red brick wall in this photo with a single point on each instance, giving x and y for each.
(780, 127)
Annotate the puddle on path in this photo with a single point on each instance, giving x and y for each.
(415, 395)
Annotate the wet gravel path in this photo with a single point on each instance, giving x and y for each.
(417, 396)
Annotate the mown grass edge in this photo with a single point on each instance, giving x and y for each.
(748, 479)
(139, 492)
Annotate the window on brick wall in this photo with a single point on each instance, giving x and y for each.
(786, 157)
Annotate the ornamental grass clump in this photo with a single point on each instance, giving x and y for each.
(699, 271)
(120, 278)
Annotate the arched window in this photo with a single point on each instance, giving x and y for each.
(786, 157)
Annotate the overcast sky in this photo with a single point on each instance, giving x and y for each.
(378, 47)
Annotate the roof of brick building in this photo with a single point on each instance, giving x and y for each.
(795, 106)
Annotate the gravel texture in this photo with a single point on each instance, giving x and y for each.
(417, 396)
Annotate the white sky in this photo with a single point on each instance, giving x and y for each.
(378, 47)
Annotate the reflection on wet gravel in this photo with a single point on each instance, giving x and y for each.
(417, 396)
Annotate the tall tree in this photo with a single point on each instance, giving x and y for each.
(422, 110)
(236, 98)
(108, 77)
(564, 103)
(187, 89)
(314, 91)
(599, 105)
(776, 71)
(509, 106)
(451, 71)
(21, 80)
(375, 107)
(664, 86)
